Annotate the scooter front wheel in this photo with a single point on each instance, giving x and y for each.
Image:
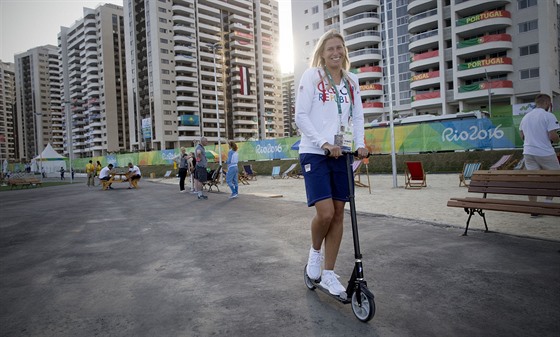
(308, 282)
(365, 308)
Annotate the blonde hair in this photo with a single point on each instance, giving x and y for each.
(318, 61)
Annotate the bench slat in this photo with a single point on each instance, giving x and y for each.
(489, 205)
(515, 191)
(511, 202)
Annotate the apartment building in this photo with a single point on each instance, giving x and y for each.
(38, 108)
(202, 68)
(288, 105)
(94, 83)
(446, 56)
(7, 111)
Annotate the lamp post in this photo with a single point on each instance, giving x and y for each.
(36, 134)
(69, 135)
(214, 47)
(489, 93)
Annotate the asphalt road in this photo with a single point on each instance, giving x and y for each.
(78, 261)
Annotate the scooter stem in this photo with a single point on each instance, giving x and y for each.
(355, 237)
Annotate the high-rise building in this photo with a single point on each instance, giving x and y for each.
(38, 109)
(445, 56)
(94, 91)
(202, 68)
(7, 111)
(288, 105)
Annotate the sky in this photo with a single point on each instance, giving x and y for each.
(25, 24)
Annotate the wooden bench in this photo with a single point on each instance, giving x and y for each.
(34, 181)
(511, 182)
(15, 182)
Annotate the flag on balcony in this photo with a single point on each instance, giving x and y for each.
(244, 77)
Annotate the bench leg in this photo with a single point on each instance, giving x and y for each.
(470, 212)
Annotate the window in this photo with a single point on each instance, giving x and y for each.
(528, 25)
(165, 82)
(162, 10)
(315, 25)
(521, 4)
(165, 71)
(164, 61)
(529, 73)
(162, 20)
(167, 123)
(166, 92)
(528, 50)
(315, 10)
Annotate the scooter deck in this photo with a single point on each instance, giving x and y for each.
(343, 299)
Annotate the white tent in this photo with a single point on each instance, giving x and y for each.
(49, 160)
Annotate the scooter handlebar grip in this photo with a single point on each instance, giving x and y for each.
(354, 153)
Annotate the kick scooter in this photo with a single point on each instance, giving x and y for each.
(357, 292)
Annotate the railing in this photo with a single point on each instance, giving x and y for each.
(361, 16)
(424, 35)
(422, 15)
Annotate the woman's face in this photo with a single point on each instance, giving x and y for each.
(333, 53)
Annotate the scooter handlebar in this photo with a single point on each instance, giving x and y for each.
(354, 153)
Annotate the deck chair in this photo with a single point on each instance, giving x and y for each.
(214, 180)
(520, 165)
(167, 174)
(466, 174)
(356, 169)
(414, 175)
(503, 163)
(288, 172)
(276, 172)
(249, 173)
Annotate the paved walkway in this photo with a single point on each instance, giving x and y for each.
(78, 261)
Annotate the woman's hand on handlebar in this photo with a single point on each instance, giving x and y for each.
(332, 150)
(362, 153)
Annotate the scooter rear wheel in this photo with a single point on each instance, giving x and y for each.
(308, 282)
(366, 310)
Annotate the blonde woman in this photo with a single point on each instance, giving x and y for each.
(330, 116)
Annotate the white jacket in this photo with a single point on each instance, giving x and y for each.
(317, 111)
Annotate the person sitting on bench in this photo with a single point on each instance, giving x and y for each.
(105, 174)
(134, 174)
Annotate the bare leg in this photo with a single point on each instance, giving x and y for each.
(327, 226)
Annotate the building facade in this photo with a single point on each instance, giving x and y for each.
(288, 105)
(38, 107)
(94, 83)
(202, 68)
(445, 56)
(7, 111)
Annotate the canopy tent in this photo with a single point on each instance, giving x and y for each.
(49, 160)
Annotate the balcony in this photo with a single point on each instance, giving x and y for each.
(425, 80)
(425, 40)
(363, 39)
(374, 89)
(479, 68)
(484, 45)
(351, 7)
(480, 89)
(424, 60)
(423, 21)
(471, 7)
(482, 22)
(419, 6)
(361, 21)
(426, 99)
(367, 54)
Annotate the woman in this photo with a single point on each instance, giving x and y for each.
(330, 117)
(181, 161)
(233, 170)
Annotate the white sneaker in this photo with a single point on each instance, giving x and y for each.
(314, 264)
(329, 281)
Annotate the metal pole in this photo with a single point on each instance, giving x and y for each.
(390, 89)
(214, 46)
(69, 135)
(489, 93)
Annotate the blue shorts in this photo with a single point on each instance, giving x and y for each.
(325, 178)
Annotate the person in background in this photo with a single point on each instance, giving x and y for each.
(61, 173)
(72, 172)
(182, 163)
(191, 167)
(329, 114)
(105, 174)
(90, 171)
(539, 130)
(233, 170)
(98, 168)
(201, 175)
(134, 174)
